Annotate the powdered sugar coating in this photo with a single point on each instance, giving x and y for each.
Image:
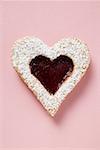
(27, 48)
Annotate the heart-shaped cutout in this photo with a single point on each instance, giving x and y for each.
(50, 72)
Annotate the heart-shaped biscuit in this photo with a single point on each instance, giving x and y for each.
(51, 73)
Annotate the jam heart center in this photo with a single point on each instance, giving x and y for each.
(51, 73)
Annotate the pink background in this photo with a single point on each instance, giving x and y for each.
(24, 122)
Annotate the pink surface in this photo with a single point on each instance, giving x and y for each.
(24, 122)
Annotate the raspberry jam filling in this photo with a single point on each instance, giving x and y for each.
(51, 73)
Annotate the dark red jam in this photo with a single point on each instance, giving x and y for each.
(51, 73)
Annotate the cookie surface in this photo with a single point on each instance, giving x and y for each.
(50, 73)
